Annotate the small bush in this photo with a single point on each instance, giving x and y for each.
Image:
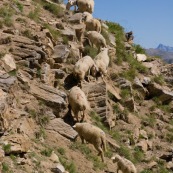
(34, 15)
(61, 151)
(5, 167)
(55, 33)
(47, 152)
(7, 148)
(159, 79)
(54, 9)
(90, 51)
(139, 49)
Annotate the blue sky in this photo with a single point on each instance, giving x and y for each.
(150, 20)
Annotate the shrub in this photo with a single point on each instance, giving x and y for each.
(61, 151)
(47, 152)
(34, 15)
(139, 49)
(90, 51)
(7, 148)
(55, 33)
(54, 9)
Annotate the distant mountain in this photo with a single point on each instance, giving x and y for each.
(165, 52)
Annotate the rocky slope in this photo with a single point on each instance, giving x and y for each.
(38, 49)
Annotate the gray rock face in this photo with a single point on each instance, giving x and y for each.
(59, 126)
(60, 54)
(76, 18)
(51, 96)
(155, 90)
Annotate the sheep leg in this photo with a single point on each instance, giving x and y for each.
(83, 116)
(82, 139)
(76, 112)
(99, 149)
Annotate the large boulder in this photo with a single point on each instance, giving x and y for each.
(141, 57)
(8, 63)
(60, 53)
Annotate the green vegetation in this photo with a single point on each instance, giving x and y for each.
(7, 148)
(118, 30)
(150, 120)
(19, 5)
(159, 79)
(90, 51)
(47, 152)
(125, 93)
(40, 133)
(61, 151)
(40, 117)
(6, 12)
(5, 168)
(34, 15)
(138, 155)
(54, 9)
(27, 33)
(138, 49)
(55, 33)
(84, 149)
(146, 171)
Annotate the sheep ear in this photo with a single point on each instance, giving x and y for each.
(74, 126)
(112, 158)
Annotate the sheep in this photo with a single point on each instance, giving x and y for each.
(78, 102)
(126, 166)
(83, 5)
(102, 62)
(82, 68)
(87, 15)
(96, 39)
(93, 135)
(91, 23)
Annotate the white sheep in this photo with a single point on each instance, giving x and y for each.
(93, 135)
(82, 68)
(78, 102)
(83, 5)
(91, 23)
(102, 62)
(96, 39)
(126, 166)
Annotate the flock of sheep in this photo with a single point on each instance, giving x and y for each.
(83, 68)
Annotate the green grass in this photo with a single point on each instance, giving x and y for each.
(54, 9)
(90, 51)
(55, 33)
(61, 151)
(19, 5)
(7, 148)
(27, 33)
(46, 152)
(5, 168)
(138, 49)
(34, 15)
(159, 79)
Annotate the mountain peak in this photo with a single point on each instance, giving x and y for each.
(164, 48)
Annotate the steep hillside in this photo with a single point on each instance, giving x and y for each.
(133, 103)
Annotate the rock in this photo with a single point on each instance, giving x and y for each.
(54, 158)
(130, 104)
(18, 143)
(152, 164)
(114, 91)
(146, 81)
(127, 46)
(60, 53)
(47, 75)
(155, 90)
(143, 134)
(59, 74)
(169, 165)
(2, 154)
(141, 57)
(140, 88)
(69, 33)
(59, 168)
(8, 63)
(76, 18)
(153, 67)
(112, 39)
(59, 126)
(51, 96)
(142, 145)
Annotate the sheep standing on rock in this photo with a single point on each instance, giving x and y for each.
(91, 23)
(96, 39)
(82, 68)
(102, 62)
(93, 135)
(126, 166)
(83, 5)
(78, 102)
